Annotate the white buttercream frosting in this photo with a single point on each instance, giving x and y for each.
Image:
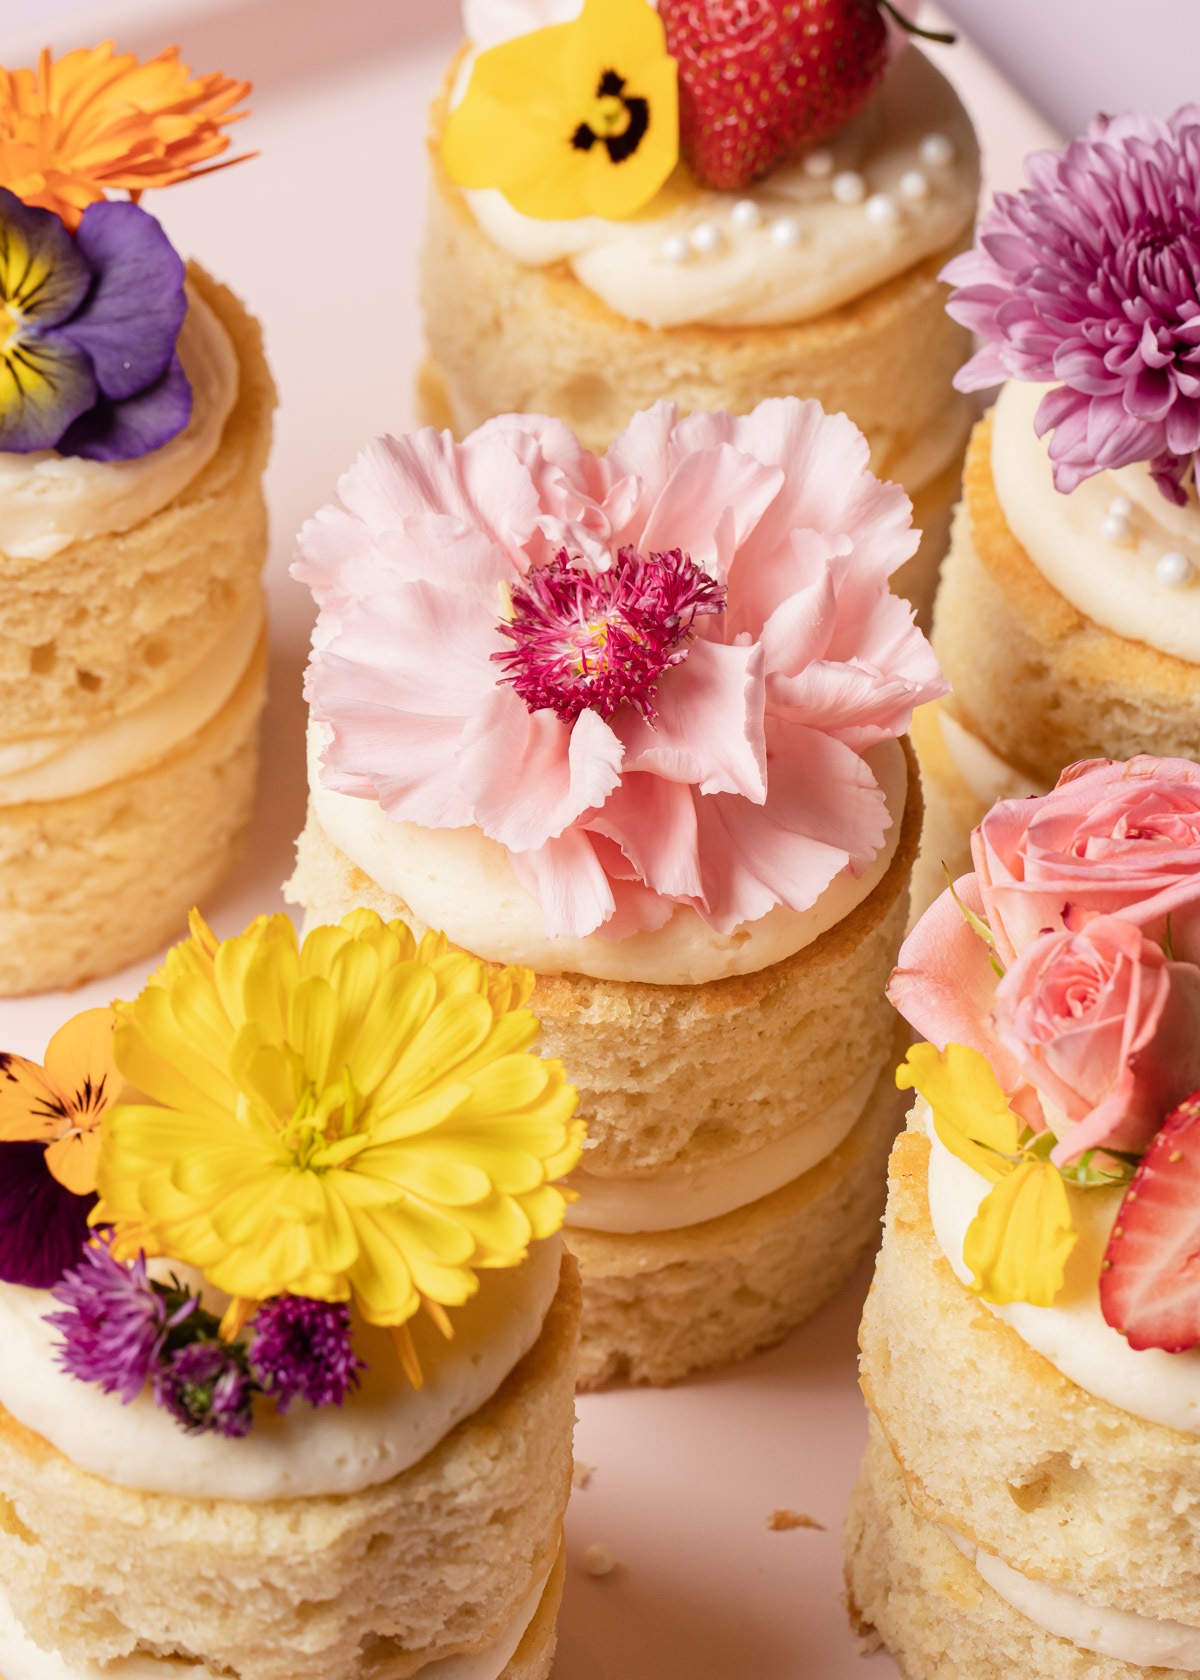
(1115, 582)
(48, 501)
(752, 275)
(63, 766)
(1123, 1635)
(989, 777)
(667, 1201)
(383, 1428)
(1160, 1387)
(458, 881)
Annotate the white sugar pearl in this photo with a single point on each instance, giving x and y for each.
(819, 164)
(1121, 507)
(849, 187)
(914, 186)
(677, 249)
(707, 239)
(599, 1559)
(1174, 570)
(937, 150)
(746, 215)
(785, 233)
(1115, 528)
(881, 209)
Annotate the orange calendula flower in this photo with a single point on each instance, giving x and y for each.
(63, 1101)
(96, 121)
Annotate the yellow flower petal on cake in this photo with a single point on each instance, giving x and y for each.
(970, 1111)
(72, 1161)
(1018, 1244)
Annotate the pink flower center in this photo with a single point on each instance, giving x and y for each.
(588, 640)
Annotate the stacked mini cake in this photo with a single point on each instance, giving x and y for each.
(1068, 619)
(636, 722)
(1031, 1344)
(635, 233)
(135, 420)
(288, 1332)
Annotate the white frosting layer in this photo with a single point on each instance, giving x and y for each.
(916, 462)
(666, 1201)
(460, 882)
(1160, 1387)
(383, 1428)
(1122, 1634)
(756, 276)
(48, 501)
(1113, 582)
(989, 777)
(61, 766)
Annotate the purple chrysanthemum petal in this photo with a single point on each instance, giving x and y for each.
(43, 1225)
(115, 1324)
(206, 1388)
(137, 303)
(123, 431)
(302, 1350)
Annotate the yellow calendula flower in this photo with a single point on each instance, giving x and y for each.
(356, 1118)
(580, 119)
(1018, 1244)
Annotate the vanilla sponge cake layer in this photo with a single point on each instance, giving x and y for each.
(433, 1563)
(909, 1585)
(660, 1305)
(534, 1656)
(997, 1444)
(91, 883)
(107, 624)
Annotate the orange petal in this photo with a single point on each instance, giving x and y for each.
(30, 1104)
(72, 1161)
(79, 1061)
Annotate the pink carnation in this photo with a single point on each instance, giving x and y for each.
(722, 767)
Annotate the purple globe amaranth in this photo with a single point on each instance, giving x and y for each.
(1090, 277)
(116, 1323)
(302, 1350)
(88, 333)
(206, 1388)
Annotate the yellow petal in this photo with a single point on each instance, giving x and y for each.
(79, 1060)
(970, 1111)
(72, 1161)
(31, 1106)
(1018, 1244)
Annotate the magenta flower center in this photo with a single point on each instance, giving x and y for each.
(589, 640)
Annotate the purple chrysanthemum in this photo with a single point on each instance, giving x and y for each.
(1090, 277)
(207, 1388)
(590, 640)
(116, 1323)
(302, 1350)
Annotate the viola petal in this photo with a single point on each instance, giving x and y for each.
(125, 431)
(137, 303)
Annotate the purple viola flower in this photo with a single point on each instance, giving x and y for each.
(116, 1323)
(88, 330)
(43, 1225)
(207, 1388)
(1090, 278)
(302, 1350)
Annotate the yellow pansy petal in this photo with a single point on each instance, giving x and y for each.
(615, 31)
(31, 1106)
(72, 1161)
(79, 1060)
(1018, 1244)
(616, 190)
(970, 1111)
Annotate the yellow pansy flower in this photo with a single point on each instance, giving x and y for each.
(357, 1118)
(64, 1101)
(580, 119)
(1018, 1244)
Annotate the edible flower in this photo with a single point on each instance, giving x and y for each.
(96, 122)
(115, 1321)
(578, 119)
(359, 1118)
(88, 330)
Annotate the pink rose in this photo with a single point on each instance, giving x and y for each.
(1106, 1029)
(1111, 839)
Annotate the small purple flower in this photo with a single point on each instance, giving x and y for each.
(43, 1225)
(116, 1323)
(206, 1388)
(302, 1350)
(1090, 277)
(588, 640)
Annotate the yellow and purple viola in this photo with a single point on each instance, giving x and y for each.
(89, 326)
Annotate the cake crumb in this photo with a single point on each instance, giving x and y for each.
(599, 1559)
(793, 1519)
(581, 1475)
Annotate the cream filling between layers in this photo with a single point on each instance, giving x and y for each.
(1123, 1635)
(63, 766)
(383, 1429)
(49, 501)
(458, 881)
(667, 1201)
(21, 1659)
(833, 252)
(989, 777)
(1115, 584)
(1160, 1387)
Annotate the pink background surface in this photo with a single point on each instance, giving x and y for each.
(320, 235)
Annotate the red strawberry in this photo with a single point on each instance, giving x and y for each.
(1150, 1278)
(759, 80)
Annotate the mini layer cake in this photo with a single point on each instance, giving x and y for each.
(135, 422)
(636, 721)
(303, 1403)
(1031, 1343)
(800, 260)
(1068, 619)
